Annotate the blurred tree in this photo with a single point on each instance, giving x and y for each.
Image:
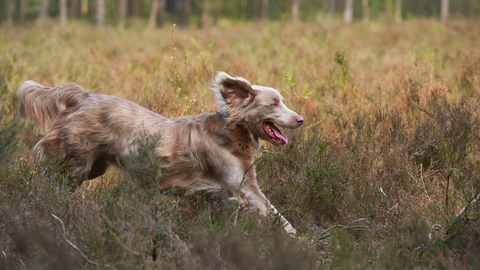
(221, 5)
(156, 13)
(263, 10)
(365, 12)
(331, 7)
(100, 13)
(122, 12)
(44, 10)
(469, 8)
(295, 9)
(186, 9)
(398, 11)
(171, 7)
(84, 7)
(153, 13)
(63, 12)
(10, 10)
(388, 10)
(348, 13)
(205, 10)
(135, 8)
(444, 11)
(161, 13)
(21, 12)
(75, 8)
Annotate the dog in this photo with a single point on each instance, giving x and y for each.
(201, 153)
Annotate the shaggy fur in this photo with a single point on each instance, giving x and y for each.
(207, 152)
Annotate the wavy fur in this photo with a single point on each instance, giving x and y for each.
(206, 152)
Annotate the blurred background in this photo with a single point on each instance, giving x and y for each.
(208, 12)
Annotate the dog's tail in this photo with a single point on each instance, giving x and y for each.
(42, 104)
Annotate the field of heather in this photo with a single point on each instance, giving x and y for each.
(384, 174)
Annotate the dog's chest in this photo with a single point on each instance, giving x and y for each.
(241, 142)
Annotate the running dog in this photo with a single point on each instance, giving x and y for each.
(207, 152)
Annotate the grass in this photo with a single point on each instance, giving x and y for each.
(383, 175)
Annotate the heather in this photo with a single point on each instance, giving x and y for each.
(383, 174)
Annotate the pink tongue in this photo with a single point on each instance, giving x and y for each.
(279, 135)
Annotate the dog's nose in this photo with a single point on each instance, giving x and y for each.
(299, 120)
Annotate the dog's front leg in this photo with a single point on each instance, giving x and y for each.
(258, 200)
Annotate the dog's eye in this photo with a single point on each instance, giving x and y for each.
(275, 105)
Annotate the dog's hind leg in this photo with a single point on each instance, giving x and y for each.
(83, 165)
(88, 166)
(98, 168)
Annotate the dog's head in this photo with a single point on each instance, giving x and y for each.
(260, 107)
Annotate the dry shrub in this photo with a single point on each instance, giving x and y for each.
(384, 174)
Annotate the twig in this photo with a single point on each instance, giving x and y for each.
(122, 244)
(326, 233)
(74, 246)
(423, 182)
(361, 219)
(393, 207)
(468, 204)
(315, 124)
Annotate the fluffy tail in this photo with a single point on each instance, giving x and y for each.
(42, 104)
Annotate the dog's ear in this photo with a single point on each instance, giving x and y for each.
(230, 89)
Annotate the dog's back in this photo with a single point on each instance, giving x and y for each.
(90, 131)
(206, 153)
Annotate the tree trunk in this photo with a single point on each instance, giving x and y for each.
(21, 15)
(44, 10)
(100, 13)
(221, 4)
(295, 10)
(63, 12)
(388, 10)
(331, 7)
(10, 10)
(135, 8)
(185, 12)
(398, 11)
(366, 12)
(153, 13)
(470, 9)
(348, 13)
(205, 8)
(74, 10)
(263, 11)
(84, 8)
(444, 11)
(122, 12)
(160, 13)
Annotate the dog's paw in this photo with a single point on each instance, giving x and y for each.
(243, 202)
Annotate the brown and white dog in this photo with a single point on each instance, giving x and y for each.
(210, 151)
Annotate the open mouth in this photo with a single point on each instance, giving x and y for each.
(274, 133)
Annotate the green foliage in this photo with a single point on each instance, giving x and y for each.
(9, 130)
(9, 127)
(143, 164)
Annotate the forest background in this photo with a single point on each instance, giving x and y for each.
(206, 12)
